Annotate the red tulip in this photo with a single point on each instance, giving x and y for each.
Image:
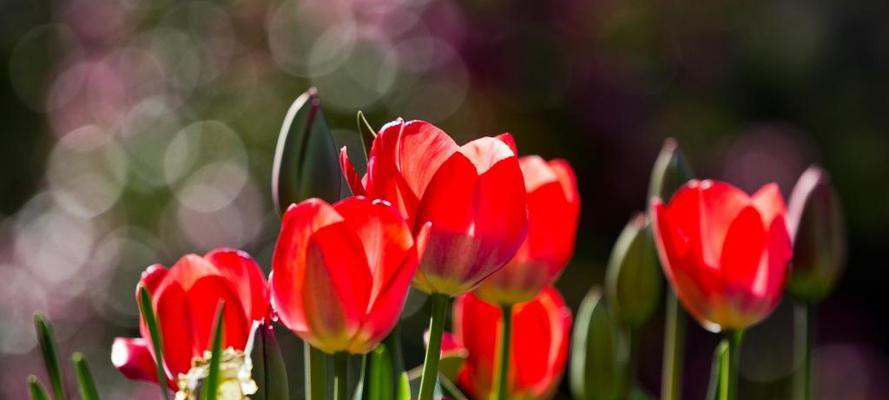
(185, 298)
(553, 210)
(473, 196)
(725, 253)
(541, 331)
(341, 273)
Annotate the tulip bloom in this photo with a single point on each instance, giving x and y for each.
(541, 332)
(185, 299)
(725, 253)
(341, 273)
(472, 196)
(553, 210)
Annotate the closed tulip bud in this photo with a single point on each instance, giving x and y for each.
(341, 273)
(599, 354)
(633, 278)
(553, 211)
(472, 197)
(725, 253)
(185, 298)
(818, 233)
(670, 171)
(305, 163)
(539, 350)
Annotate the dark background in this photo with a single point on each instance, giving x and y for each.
(134, 132)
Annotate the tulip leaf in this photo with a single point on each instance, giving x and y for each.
(211, 384)
(305, 163)
(269, 371)
(85, 383)
(50, 354)
(599, 352)
(148, 315)
(383, 375)
(36, 390)
(719, 368)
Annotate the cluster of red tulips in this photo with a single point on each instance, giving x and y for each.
(484, 233)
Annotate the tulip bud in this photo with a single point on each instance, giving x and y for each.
(599, 354)
(818, 233)
(306, 163)
(633, 282)
(670, 171)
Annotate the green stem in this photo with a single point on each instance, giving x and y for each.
(502, 378)
(316, 373)
(341, 376)
(729, 372)
(805, 339)
(433, 350)
(674, 343)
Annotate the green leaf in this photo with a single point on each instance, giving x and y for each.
(633, 277)
(316, 364)
(211, 384)
(449, 389)
(305, 163)
(36, 390)
(269, 371)
(154, 329)
(383, 376)
(50, 354)
(720, 367)
(368, 134)
(599, 353)
(669, 173)
(85, 383)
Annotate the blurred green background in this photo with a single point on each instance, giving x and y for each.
(134, 132)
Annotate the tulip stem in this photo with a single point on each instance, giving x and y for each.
(502, 379)
(674, 343)
(805, 337)
(729, 373)
(316, 373)
(433, 350)
(341, 376)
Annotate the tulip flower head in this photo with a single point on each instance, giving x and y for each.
(341, 273)
(540, 335)
(472, 197)
(817, 229)
(553, 211)
(185, 299)
(725, 253)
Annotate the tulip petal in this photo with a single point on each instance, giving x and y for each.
(741, 253)
(476, 325)
(720, 205)
(288, 262)
(540, 351)
(501, 215)
(386, 310)
(486, 152)
(769, 202)
(422, 148)
(174, 319)
(204, 297)
(507, 138)
(536, 172)
(351, 175)
(188, 270)
(133, 359)
(774, 268)
(337, 286)
(244, 274)
(384, 235)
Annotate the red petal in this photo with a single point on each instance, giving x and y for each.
(188, 270)
(351, 176)
(383, 179)
(422, 148)
(204, 298)
(133, 359)
(741, 255)
(540, 351)
(769, 202)
(486, 152)
(244, 274)
(174, 317)
(336, 288)
(152, 277)
(387, 308)
(384, 235)
(553, 213)
(720, 205)
(775, 266)
(289, 259)
(476, 325)
(501, 215)
(507, 138)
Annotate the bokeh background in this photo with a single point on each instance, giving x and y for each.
(137, 131)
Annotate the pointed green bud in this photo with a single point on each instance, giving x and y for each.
(816, 226)
(305, 162)
(599, 354)
(669, 173)
(633, 278)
